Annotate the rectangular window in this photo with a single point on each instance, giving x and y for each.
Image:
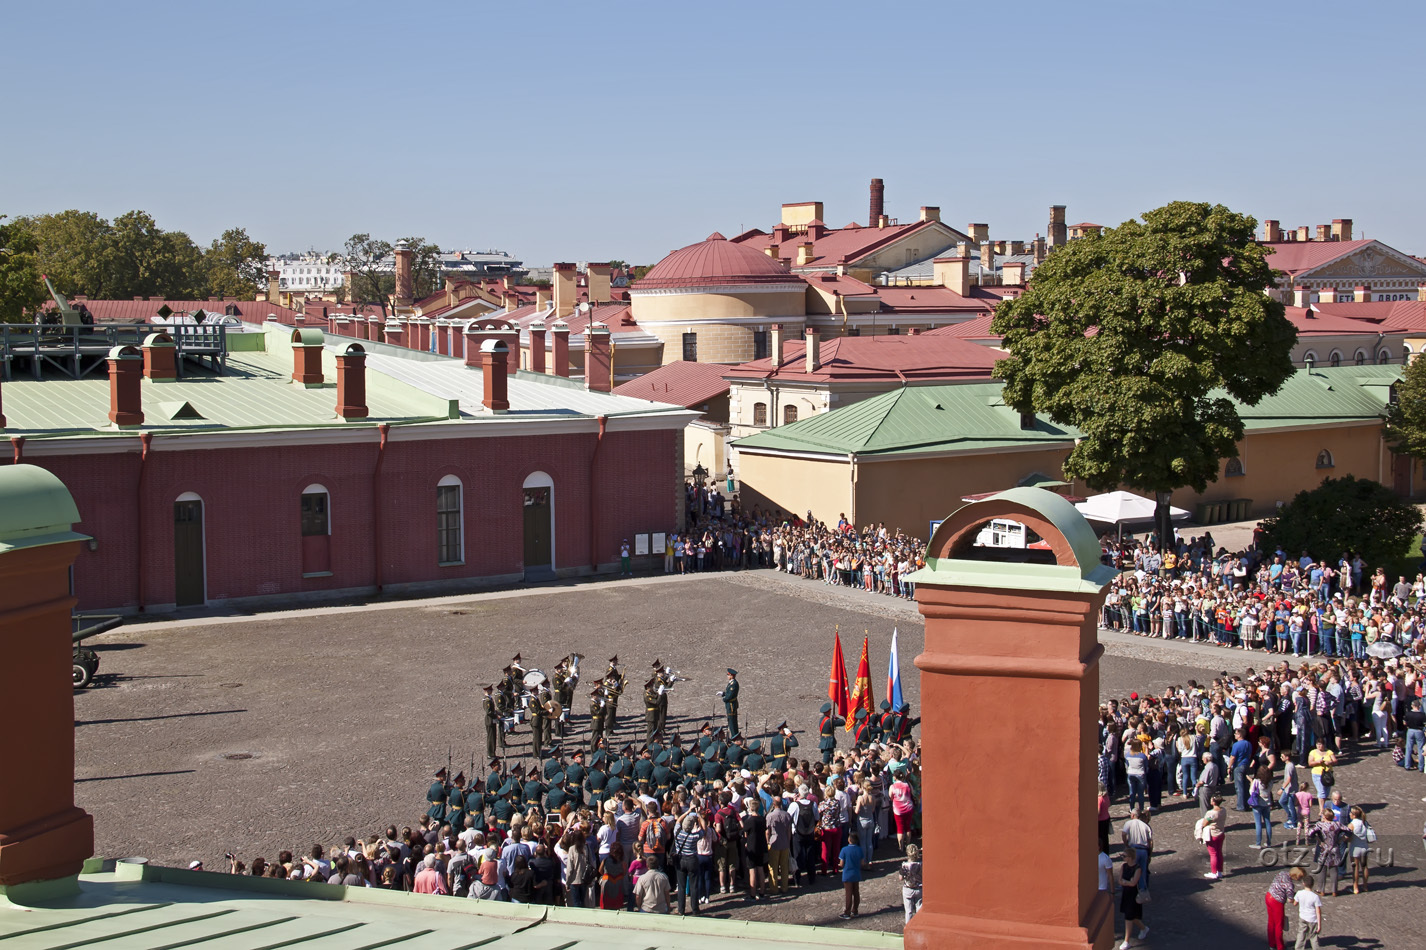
(761, 350)
(690, 347)
(789, 415)
(314, 514)
(448, 526)
(854, 331)
(760, 414)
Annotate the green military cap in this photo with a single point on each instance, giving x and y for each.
(861, 713)
(598, 757)
(557, 778)
(511, 787)
(826, 708)
(732, 672)
(885, 706)
(617, 768)
(755, 745)
(662, 758)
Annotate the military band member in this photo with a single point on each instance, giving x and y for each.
(652, 696)
(729, 695)
(540, 709)
(494, 735)
(827, 730)
(599, 707)
(781, 746)
(505, 707)
(436, 797)
(613, 688)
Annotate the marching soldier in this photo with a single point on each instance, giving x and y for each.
(653, 694)
(827, 729)
(613, 688)
(540, 720)
(599, 707)
(436, 797)
(729, 695)
(781, 746)
(505, 707)
(493, 733)
(455, 797)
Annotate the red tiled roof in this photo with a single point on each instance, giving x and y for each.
(846, 358)
(143, 311)
(616, 316)
(1402, 316)
(715, 261)
(681, 383)
(976, 328)
(836, 245)
(921, 299)
(842, 284)
(1310, 323)
(1294, 257)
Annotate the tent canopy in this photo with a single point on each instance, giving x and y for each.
(1124, 508)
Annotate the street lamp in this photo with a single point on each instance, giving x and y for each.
(699, 473)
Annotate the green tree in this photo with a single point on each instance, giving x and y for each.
(72, 248)
(21, 291)
(145, 260)
(236, 265)
(1405, 428)
(1346, 514)
(363, 256)
(1138, 336)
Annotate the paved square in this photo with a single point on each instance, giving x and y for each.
(255, 734)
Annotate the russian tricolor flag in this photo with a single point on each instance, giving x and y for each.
(893, 676)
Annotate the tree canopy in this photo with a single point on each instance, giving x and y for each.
(1405, 428)
(1138, 336)
(1346, 514)
(21, 291)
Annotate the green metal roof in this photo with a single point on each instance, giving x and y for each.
(35, 508)
(149, 907)
(972, 417)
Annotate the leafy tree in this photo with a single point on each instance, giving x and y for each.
(1405, 428)
(363, 256)
(1127, 335)
(1346, 514)
(236, 265)
(21, 292)
(145, 260)
(72, 248)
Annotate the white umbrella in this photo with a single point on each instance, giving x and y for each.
(1123, 508)
(1386, 649)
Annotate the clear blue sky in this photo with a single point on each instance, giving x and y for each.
(595, 131)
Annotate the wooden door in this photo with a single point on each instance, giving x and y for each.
(1401, 475)
(537, 527)
(188, 576)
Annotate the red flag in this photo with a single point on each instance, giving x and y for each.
(861, 689)
(837, 683)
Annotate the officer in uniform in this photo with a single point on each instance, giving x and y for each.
(662, 775)
(475, 803)
(652, 695)
(675, 752)
(598, 713)
(493, 733)
(574, 775)
(713, 768)
(691, 767)
(436, 797)
(861, 733)
(736, 752)
(617, 782)
(887, 721)
(534, 791)
(495, 780)
(827, 730)
(754, 760)
(643, 768)
(613, 688)
(540, 708)
(905, 723)
(780, 746)
(503, 807)
(505, 708)
(596, 779)
(557, 795)
(455, 798)
(729, 695)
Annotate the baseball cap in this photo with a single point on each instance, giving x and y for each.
(194, 865)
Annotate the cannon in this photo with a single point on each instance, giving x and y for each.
(86, 661)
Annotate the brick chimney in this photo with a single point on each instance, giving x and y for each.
(1324, 232)
(987, 262)
(474, 337)
(559, 348)
(1272, 232)
(1341, 229)
(877, 207)
(307, 358)
(1327, 295)
(930, 213)
(566, 293)
(597, 276)
(509, 334)
(775, 345)
(952, 273)
(495, 367)
(814, 350)
(393, 334)
(804, 254)
(596, 358)
(978, 233)
(1012, 274)
(1362, 293)
(963, 248)
(1017, 248)
(1057, 226)
(404, 293)
(160, 357)
(274, 288)
(542, 298)
(1040, 250)
(126, 373)
(771, 251)
(1302, 297)
(537, 346)
(1304, 233)
(351, 382)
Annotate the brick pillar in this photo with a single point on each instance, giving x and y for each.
(474, 336)
(596, 358)
(126, 373)
(394, 334)
(559, 348)
(1030, 631)
(307, 358)
(537, 346)
(456, 330)
(160, 360)
(351, 382)
(495, 367)
(43, 836)
(375, 327)
(423, 334)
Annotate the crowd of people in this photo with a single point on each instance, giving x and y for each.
(720, 536)
(1266, 744)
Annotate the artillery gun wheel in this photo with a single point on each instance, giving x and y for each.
(86, 664)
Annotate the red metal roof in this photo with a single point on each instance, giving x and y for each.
(1294, 257)
(681, 383)
(1310, 323)
(836, 245)
(847, 358)
(143, 311)
(976, 328)
(1403, 316)
(712, 262)
(921, 299)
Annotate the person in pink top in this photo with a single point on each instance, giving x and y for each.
(903, 803)
(428, 879)
(1304, 811)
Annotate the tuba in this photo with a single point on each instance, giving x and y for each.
(574, 659)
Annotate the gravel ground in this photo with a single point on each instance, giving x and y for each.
(253, 734)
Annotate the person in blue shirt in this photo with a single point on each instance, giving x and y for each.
(1240, 759)
(851, 877)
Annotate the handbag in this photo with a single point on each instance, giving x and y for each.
(1143, 897)
(1328, 779)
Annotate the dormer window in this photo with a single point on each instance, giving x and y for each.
(1028, 421)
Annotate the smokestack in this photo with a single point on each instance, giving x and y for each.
(159, 357)
(1057, 226)
(559, 347)
(495, 367)
(274, 286)
(126, 373)
(596, 358)
(403, 255)
(1272, 231)
(878, 203)
(351, 382)
(566, 291)
(537, 346)
(1341, 229)
(814, 352)
(775, 351)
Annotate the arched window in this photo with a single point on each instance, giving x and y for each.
(1234, 467)
(1383, 357)
(789, 414)
(760, 414)
(1361, 358)
(1310, 357)
(1324, 459)
(450, 527)
(316, 516)
(1336, 358)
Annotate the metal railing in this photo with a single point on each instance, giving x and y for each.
(77, 351)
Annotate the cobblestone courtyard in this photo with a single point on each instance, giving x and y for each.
(255, 734)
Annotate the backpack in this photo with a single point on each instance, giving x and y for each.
(729, 826)
(653, 835)
(806, 818)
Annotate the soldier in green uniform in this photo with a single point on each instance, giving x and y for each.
(455, 803)
(827, 730)
(557, 795)
(475, 803)
(436, 797)
(905, 723)
(494, 735)
(596, 779)
(729, 695)
(643, 767)
(534, 791)
(651, 709)
(504, 709)
(617, 783)
(861, 731)
(887, 721)
(613, 689)
(495, 780)
(503, 807)
(736, 751)
(675, 752)
(691, 767)
(754, 760)
(781, 746)
(712, 770)
(598, 713)
(574, 774)
(541, 707)
(662, 776)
